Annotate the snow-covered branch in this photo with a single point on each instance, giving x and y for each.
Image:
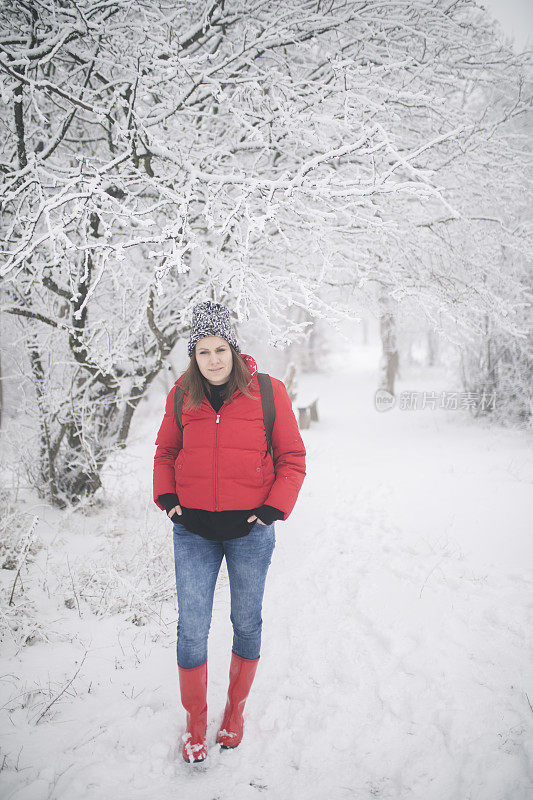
(263, 154)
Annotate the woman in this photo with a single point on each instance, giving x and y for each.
(222, 488)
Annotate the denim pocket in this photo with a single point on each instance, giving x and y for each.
(178, 527)
(263, 530)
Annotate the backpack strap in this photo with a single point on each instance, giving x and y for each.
(269, 409)
(267, 403)
(178, 406)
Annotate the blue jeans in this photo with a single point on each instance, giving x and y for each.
(197, 563)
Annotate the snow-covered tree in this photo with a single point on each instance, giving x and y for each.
(264, 154)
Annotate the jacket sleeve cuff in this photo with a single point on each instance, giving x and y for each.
(268, 514)
(168, 501)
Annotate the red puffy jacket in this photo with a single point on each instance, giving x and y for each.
(220, 462)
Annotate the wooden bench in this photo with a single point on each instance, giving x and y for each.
(307, 414)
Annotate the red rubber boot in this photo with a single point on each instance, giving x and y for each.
(241, 676)
(193, 688)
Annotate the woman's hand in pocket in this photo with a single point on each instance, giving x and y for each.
(253, 518)
(176, 510)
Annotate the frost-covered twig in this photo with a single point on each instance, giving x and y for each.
(73, 587)
(23, 555)
(63, 690)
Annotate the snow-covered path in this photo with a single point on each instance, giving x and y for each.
(397, 651)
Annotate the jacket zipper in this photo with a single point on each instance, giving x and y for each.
(215, 462)
(216, 447)
(237, 392)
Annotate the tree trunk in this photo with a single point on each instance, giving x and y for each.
(1, 391)
(390, 358)
(432, 348)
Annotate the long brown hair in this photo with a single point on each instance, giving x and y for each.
(197, 387)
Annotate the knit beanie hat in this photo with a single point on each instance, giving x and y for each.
(211, 319)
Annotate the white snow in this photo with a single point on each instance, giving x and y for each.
(398, 616)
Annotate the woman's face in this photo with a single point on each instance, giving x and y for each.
(214, 359)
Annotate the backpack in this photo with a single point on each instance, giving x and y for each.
(267, 402)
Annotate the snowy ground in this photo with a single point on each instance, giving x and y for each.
(397, 645)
